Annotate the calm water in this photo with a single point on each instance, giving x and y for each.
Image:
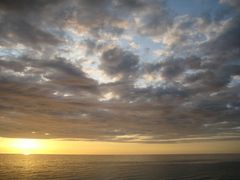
(157, 167)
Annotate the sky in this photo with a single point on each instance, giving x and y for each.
(120, 76)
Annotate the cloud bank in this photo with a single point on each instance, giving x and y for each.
(119, 70)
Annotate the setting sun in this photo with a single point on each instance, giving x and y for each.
(27, 146)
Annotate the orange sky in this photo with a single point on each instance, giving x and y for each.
(40, 146)
(119, 77)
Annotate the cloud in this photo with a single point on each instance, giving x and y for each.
(234, 3)
(66, 70)
(226, 40)
(24, 5)
(154, 19)
(117, 62)
(16, 30)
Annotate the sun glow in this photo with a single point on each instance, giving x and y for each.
(27, 146)
(59, 146)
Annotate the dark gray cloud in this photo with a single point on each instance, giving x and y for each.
(25, 5)
(116, 61)
(172, 67)
(22, 23)
(226, 42)
(233, 3)
(17, 30)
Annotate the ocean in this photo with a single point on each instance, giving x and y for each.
(120, 167)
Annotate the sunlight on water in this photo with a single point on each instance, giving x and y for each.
(154, 167)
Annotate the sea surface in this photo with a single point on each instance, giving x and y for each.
(117, 167)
